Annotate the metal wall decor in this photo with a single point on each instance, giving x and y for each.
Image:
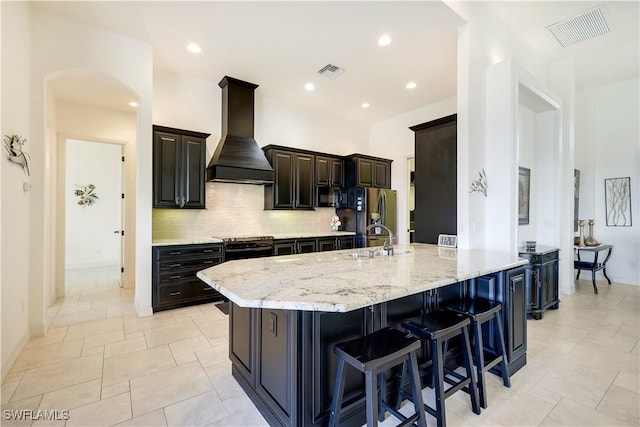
(524, 189)
(617, 196)
(13, 144)
(480, 185)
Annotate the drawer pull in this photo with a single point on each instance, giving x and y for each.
(207, 251)
(173, 294)
(208, 262)
(207, 288)
(176, 253)
(176, 277)
(175, 265)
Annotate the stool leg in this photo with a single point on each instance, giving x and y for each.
(338, 391)
(578, 275)
(400, 385)
(506, 377)
(466, 354)
(479, 350)
(380, 392)
(416, 389)
(604, 271)
(371, 380)
(438, 381)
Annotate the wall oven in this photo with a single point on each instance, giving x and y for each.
(247, 247)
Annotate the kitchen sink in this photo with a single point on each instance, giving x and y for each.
(376, 252)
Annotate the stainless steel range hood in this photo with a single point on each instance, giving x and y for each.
(238, 157)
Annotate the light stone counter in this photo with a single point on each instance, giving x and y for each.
(279, 236)
(337, 282)
(185, 241)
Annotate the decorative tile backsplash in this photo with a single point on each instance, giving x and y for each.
(236, 210)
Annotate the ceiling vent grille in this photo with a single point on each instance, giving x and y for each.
(330, 71)
(581, 27)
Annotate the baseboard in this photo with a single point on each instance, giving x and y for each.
(8, 364)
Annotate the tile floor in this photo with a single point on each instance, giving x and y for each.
(108, 367)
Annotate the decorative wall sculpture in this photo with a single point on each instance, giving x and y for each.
(617, 196)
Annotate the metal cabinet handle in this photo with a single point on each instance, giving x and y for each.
(176, 277)
(175, 265)
(176, 253)
(173, 294)
(207, 251)
(208, 262)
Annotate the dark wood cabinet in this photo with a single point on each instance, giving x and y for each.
(178, 168)
(174, 281)
(335, 243)
(367, 171)
(435, 179)
(294, 246)
(293, 185)
(542, 280)
(329, 171)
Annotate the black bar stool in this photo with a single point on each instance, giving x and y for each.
(437, 327)
(480, 311)
(372, 355)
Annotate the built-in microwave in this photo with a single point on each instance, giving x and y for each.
(329, 197)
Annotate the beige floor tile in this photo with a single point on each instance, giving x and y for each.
(619, 342)
(115, 389)
(88, 351)
(628, 380)
(137, 324)
(102, 413)
(103, 339)
(47, 354)
(171, 333)
(190, 345)
(152, 419)
(185, 358)
(599, 355)
(52, 336)
(586, 394)
(167, 387)
(75, 318)
(136, 364)
(621, 404)
(226, 386)
(72, 396)
(123, 347)
(17, 413)
(58, 376)
(8, 389)
(97, 327)
(196, 411)
(14, 376)
(242, 412)
(214, 329)
(213, 355)
(571, 413)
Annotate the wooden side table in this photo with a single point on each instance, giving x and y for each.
(594, 265)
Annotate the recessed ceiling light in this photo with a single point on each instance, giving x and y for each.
(384, 40)
(194, 48)
(309, 86)
(133, 104)
(411, 85)
(365, 105)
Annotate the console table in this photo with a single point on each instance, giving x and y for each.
(542, 280)
(594, 265)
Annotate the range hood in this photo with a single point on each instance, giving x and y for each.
(238, 157)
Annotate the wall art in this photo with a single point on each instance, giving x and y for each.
(576, 198)
(86, 195)
(617, 200)
(13, 144)
(524, 189)
(480, 185)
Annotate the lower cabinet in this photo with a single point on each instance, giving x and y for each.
(297, 246)
(542, 281)
(335, 243)
(174, 281)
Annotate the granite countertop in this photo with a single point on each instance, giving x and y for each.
(279, 236)
(336, 281)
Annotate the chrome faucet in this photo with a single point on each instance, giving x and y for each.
(387, 247)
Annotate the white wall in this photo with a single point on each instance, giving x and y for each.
(90, 239)
(607, 146)
(91, 122)
(392, 139)
(16, 205)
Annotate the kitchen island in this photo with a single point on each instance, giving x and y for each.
(287, 312)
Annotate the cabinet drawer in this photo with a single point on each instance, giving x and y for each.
(170, 294)
(188, 251)
(178, 265)
(173, 275)
(549, 257)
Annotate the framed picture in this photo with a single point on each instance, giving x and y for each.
(576, 197)
(448, 240)
(524, 189)
(617, 199)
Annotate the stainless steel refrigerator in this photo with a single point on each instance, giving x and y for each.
(366, 206)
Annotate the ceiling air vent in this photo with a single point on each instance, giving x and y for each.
(330, 71)
(582, 27)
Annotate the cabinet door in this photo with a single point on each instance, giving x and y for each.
(337, 174)
(276, 374)
(306, 246)
(193, 172)
(304, 181)
(346, 242)
(326, 245)
(284, 248)
(166, 169)
(364, 170)
(323, 170)
(283, 164)
(549, 283)
(515, 312)
(381, 174)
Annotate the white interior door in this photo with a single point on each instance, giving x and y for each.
(94, 213)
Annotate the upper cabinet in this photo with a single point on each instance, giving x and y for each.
(293, 183)
(329, 171)
(367, 171)
(178, 168)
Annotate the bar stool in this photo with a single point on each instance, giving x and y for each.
(372, 355)
(437, 327)
(479, 311)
